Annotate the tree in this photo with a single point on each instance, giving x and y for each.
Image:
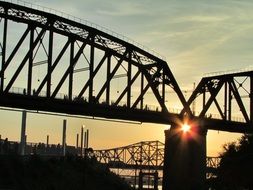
(236, 167)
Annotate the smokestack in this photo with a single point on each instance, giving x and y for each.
(81, 141)
(87, 139)
(77, 140)
(47, 141)
(23, 134)
(64, 137)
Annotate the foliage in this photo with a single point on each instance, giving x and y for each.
(35, 173)
(236, 166)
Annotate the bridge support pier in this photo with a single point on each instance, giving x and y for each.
(184, 159)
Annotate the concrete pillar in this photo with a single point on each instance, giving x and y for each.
(23, 134)
(140, 184)
(64, 137)
(184, 159)
(156, 180)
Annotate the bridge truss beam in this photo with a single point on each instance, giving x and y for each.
(231, 96)
(147, 155)
(82, 49)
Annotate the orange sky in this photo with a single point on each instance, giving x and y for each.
(195, 36)
(103, 134)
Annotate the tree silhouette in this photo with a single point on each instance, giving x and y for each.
(236, 167)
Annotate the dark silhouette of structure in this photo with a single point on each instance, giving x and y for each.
(145, 160)
(149, 155)
(95, 60)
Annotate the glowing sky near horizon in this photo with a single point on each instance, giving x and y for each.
(195, 36)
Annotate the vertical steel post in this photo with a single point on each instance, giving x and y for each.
(229, 103)
(23, 134)
(140, 181)
(30, 64)
(142, 87)
(156, 180)
(226, 101)
(64, 137)
(108, 74)
(194, 101)
(129, 77)
(163, 88)
(92, 50)
(71, 70)
(251, 100)
(4, 51)
(204, 99)
(50, 55)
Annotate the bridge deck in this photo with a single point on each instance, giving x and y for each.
(111, 112)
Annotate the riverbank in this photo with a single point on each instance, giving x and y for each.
(65, 173)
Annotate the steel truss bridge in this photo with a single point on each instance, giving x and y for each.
(146, 155)
(68, 67)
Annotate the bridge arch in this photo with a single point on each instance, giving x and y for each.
(99, 59)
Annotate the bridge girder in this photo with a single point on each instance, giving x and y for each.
(84, 67)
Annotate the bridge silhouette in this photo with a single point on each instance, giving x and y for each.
(146, 155)
(111, 78)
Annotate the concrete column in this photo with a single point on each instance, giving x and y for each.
(184, 159)
(156, 180)
(64, 137)
(23, 134)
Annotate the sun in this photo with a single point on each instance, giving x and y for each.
(186, 128)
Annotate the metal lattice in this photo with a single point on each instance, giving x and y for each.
(142, 155)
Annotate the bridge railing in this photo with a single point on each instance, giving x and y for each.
(247, 69)
(147, 107)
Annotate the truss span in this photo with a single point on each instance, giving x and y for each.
(68, 67)
(230, 95)
(79, 63)
(142, 155)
